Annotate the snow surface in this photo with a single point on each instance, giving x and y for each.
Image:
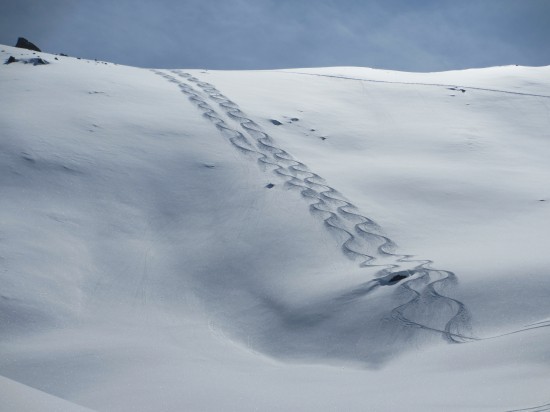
(164, 245)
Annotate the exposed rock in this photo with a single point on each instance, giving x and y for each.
(396, 277)
(23, 43)
(35, 61)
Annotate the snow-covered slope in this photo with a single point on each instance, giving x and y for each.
(309, 239)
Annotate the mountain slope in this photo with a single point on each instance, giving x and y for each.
(276, 239)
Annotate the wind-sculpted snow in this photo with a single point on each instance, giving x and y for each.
(420, 288)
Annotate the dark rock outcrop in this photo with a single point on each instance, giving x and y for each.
(35, 61)
(23, 43)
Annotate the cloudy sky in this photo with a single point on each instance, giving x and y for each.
(411, 35)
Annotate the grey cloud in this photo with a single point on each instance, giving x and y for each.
(418, 35)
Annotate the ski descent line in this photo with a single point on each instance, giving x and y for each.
(362, 237)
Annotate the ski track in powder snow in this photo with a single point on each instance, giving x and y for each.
(361, 235)
(541, 408)
(454, 86)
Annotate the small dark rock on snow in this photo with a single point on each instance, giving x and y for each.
(275, 122)
(35, 61)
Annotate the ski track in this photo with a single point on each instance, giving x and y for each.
(361, 236)
(416, 83)
(541, 408)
